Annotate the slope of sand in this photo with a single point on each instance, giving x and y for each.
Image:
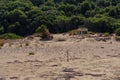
(88, 60)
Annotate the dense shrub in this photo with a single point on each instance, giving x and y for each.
(101, 23)
(9, 36)
(23, 17)
(117, 31)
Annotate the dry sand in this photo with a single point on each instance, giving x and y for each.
(88, 60)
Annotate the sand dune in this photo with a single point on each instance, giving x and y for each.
(88, 60)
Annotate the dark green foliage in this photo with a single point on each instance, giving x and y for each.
(101, 23)
(85, 6)
(103, 3)
(10, 36)
(37, 2)
(117, 31)
(1, 29)
(114, 12)
(23, 17)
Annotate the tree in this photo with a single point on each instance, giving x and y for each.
(101, 23)
(68, 9)
(23, 17)
(37, 2)
(57, 1)
(103, 3)
(76, 21)
(85, 6)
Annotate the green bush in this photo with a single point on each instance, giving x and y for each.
(41, 29)
(9, 36)
(44, 32)
(117, 32)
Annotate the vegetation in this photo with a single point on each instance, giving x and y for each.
(23, 17)
(44, 32)
(106, 34)
(10, 36)
(31, 53)
(118, 31)
(41, 29)
(1, 43)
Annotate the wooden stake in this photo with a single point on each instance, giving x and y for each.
(67, 56)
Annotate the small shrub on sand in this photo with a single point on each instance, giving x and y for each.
(1, 43)
(31, 53)
(44, 32)
(73, 32)
(91, 33)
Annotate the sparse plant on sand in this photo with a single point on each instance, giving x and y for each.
(1, 43)
(31, 53)
(73, 32)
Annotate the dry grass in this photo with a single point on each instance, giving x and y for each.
(73, 32)
(1, 43)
